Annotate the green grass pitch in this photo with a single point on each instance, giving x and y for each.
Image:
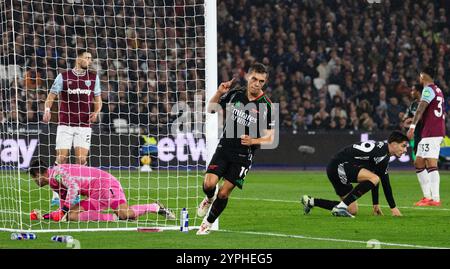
(265, 214)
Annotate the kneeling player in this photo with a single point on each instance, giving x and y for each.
(103, 191)
(365, 163)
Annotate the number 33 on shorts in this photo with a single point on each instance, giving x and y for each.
(429, 147)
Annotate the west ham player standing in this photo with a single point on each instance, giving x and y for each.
(365, 163)
(80, 102)
(233, 157)
(431, 112)
(416, 93)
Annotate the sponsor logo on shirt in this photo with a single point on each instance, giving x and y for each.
(242, 118)
(79, 91)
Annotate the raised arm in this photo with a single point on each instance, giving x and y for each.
(223, 89)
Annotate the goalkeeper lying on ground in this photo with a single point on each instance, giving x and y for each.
(101, 189)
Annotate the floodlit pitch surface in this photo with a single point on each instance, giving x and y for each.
(267, 214)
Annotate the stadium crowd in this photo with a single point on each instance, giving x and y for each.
(329, 69)
(333, 70)
(149, 56)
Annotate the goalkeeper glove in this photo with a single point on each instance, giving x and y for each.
(57, 215)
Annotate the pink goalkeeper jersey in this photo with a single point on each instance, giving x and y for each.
(71, 180)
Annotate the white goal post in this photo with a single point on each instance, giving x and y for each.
(157, 65)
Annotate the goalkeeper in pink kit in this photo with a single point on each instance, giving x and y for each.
(101, 189)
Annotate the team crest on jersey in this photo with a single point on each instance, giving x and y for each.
(87, 82)
(379, 159)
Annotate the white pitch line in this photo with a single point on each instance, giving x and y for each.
(333, 239)
(290, 201)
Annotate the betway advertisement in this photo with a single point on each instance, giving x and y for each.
(123, 150)
(115, 151)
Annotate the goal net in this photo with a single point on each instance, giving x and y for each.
(150, 56)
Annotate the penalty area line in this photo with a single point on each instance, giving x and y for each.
(370, 243)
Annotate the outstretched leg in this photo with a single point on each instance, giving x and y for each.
(310, 202)
(157, 207)
(217, 207)
(77, 213)
(209, 188)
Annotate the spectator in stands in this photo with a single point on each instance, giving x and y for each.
(33, 78)
(342, 124)
(366, 122)
(353, 121)
(393, 112)
(317, 123)
(378, 49)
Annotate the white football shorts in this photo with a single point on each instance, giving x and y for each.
(429, 147)
(68, 135)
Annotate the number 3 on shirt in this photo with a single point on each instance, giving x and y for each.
(438, 113)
